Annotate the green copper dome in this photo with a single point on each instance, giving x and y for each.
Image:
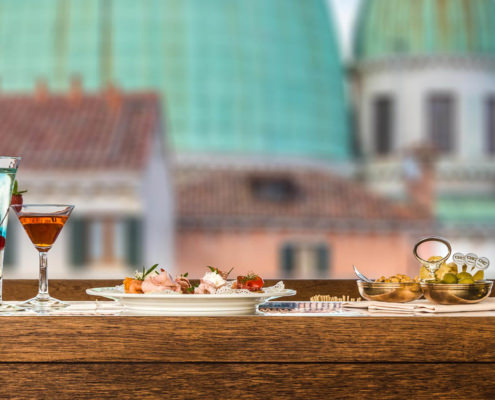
(425, 27)
(236, 76)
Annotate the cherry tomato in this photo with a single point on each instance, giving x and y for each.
(251, 282)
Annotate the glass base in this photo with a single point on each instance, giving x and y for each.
(43, 303)
(9, 308)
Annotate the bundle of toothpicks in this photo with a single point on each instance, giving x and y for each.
(326, 297)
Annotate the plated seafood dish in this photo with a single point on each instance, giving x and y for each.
(156, 291)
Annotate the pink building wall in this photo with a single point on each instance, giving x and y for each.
(259, 251)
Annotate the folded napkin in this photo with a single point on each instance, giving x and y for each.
(90, 308)
(422, 306)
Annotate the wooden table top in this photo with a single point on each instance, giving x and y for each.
(246, 338)
(243, 357)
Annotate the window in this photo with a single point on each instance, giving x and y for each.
(106, 241)
(383, 124)
(305, 260)
(441, 122)
(274, 189)
(490, 125)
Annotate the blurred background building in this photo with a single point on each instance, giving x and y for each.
(423, 73)
(103, 152)
(230, 132)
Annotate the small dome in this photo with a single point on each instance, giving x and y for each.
(425, 27)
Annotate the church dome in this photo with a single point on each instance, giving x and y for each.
(388, 28)
(235, 76)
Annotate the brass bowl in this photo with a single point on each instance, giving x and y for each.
(391, 292)
(457, 293)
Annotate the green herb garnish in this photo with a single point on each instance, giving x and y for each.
(191, 289)
(141, 275)
(221, 273)
(15, 189)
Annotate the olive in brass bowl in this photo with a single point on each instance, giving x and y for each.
(457, 293)
(391, 292)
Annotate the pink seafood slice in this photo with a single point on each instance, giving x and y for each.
(160, 282)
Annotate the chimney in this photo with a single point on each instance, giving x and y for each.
(419, 173)
(113, 96)
(76, 89)
(41, 91)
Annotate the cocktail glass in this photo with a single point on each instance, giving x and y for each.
(8, 169)
(43, 223)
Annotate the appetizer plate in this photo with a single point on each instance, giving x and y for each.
(190, 304)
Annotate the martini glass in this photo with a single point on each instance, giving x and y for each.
(8, 169)
(43, 223)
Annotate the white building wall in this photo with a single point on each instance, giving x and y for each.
(410, 86)
(469, 169)
(94, 193)
(158, 203)
(410, 83)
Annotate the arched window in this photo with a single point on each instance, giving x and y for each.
(441, 115)
(383, 122)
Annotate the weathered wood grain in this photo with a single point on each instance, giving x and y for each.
(128, 357)
(247, 339)
(248, 381)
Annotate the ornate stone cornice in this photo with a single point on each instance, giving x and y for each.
(418, 62)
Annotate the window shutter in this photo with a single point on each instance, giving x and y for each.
(10, 246)
(287, 259)
(383, 124)
(441, 122)
(134, 241)
(323, 257)
(79, 242)
(490, 125)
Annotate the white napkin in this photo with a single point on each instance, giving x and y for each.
(90, 307)
(422, 306)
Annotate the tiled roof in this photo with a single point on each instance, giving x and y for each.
(231, 196)
(90, 132)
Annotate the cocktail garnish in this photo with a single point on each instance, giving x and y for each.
(16, 200)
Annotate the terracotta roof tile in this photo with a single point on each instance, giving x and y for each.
(61, 133)
(311, 195)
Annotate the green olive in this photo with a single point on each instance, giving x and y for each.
(479, 276)
(449, 278)
(466, 280)
(464, 275)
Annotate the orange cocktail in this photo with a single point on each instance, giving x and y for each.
(43, 223)
(42, 230)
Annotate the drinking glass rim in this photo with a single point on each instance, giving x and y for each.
(44, 205)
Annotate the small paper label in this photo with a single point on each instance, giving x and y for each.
(482, 263)
(471, 259)
(459, 259)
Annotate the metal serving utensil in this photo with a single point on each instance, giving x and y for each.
(432, 266)
(361, 276)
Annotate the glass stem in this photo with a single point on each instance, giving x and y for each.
(43, 288)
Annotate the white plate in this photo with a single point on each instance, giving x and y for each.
(189, 304)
